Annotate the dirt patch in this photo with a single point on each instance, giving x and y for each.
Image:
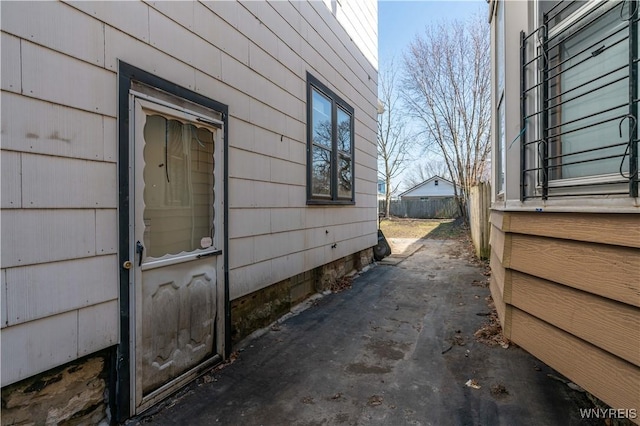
(307, 400)
(410, 228)
(449, 230)
(362, 368)
(499, 391)
(341, 284)
(374, 400)
(387, 349)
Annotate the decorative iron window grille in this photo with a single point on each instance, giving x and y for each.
(579, 101)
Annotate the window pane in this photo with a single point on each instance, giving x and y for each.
(588, 96)
(344, 177)
(321, 172)
(178, 192)
(321, 107)
(344, 131)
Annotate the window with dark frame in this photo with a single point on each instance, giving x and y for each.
(330, 146)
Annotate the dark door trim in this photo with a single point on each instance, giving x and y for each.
(127, 74)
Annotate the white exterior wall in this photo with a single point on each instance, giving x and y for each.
(516, 18)
(59, 150)
(521, 16)
(430, 189)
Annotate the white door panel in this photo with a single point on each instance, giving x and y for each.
(177, 232)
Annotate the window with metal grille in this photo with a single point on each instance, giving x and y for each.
(579, 101)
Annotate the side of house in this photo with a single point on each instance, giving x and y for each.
(382, 189)
(174, 176)
(432, 187)
(565, 237)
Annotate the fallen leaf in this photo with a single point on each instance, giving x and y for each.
(374, 400)
(499, 390)
(472, 383)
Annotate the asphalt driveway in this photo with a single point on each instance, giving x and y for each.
(397, 348)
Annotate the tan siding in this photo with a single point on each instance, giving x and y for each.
(249, 165)
(277, 245)
(497, 241)
(241, 252)
(40, 291)
(134, 22)
(11, 75)
(255, 30)
(182, 44)
(616, 229)
(281, 265)
(249, 278)
(248, 222)
(238, 102)
(37, 346)
(58, 78)
(288, 219)
(110, 139)
(608, 271)
(40, 236)
(610, 325)
(3, 298)
(501, 308)
(183, 16)
(119, 45)
(50, 182)
(498, 272)
(497, 218)
(608, 377)
(56, 131)
(571, 303)
(287, 171)
(81, 36)
(106, 239)
(97, 327)
(11, 171)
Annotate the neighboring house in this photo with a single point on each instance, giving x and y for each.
(382, 189)
(175, 175)
(565, 215)
(434, 187)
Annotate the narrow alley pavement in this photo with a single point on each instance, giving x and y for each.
(397, 348)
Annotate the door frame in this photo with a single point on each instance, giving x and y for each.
(128, 75)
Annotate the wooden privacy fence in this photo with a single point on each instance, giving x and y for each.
(434, 208)
(478, 207)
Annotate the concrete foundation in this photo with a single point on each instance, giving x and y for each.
(261, 308)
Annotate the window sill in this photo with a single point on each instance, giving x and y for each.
(594, 204)
(320, 202)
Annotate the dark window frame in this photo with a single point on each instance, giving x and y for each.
(336, 102)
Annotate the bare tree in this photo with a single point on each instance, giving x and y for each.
(424, 170)
(446, 86)
(394, 144)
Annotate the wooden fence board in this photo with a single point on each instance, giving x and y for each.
(433, 208)
(478, 205)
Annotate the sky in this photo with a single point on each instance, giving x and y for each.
(400, 21)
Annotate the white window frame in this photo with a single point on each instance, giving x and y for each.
(557, 185)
